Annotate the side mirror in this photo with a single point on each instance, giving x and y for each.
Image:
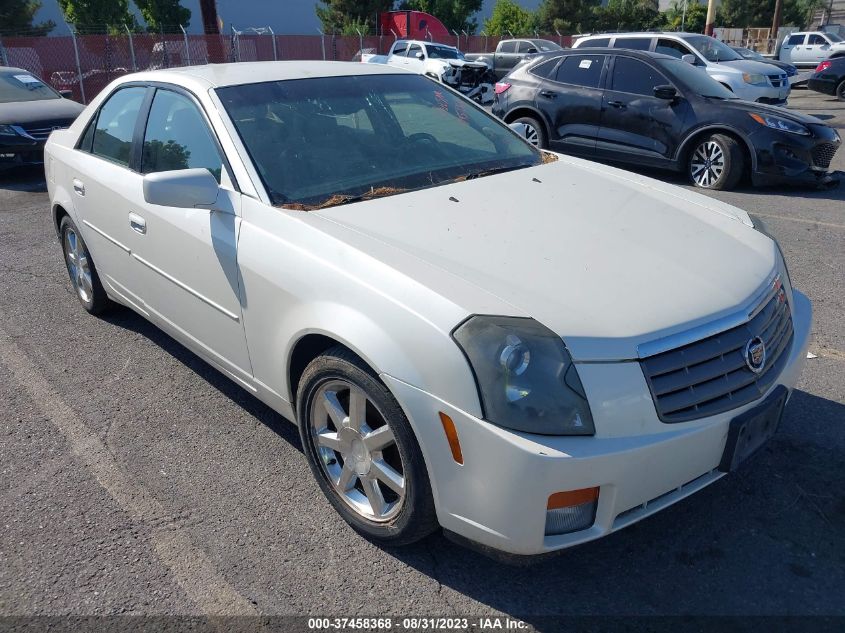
(181, 188)
(532, 51)
(665, 92)
(420, 56)
(689, 58)
(67, 94)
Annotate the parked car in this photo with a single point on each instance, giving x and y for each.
(509, 53)
(654, 110)
(421, 290)
(808, 49)
(29, 111)
(440, 62)
(829, 78)
(747, 53)
(747, 79)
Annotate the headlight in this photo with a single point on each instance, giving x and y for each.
(526, 378)
(7, 130)
(777, 123)
(755, 79)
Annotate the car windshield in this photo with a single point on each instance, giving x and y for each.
(696, 79)
(443, 52)
(329, 140)
(21, 86)
(712, 49)
(544, 46)
(833, 37)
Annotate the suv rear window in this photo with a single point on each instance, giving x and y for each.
(795, 40)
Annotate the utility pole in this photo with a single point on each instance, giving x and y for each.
(711, 17)
(776, 21)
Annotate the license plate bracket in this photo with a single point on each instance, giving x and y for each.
(751, 430)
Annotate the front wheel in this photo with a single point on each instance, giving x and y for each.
(716, 162)
(362, 451)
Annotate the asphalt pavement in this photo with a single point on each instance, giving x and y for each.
(135, 479)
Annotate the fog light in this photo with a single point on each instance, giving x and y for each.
(571, 511)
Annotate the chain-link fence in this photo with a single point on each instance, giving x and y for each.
(85, 64)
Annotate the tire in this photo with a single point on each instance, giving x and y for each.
(84, 278)
(353, 471)
(840, 90)
(716, 162)
(533, 130)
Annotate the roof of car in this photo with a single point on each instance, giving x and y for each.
(219, 75)
(641, 34)
(601, 50)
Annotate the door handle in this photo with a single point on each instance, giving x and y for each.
(548, 94)
(78, 187)
(138, 224)
(617, 104)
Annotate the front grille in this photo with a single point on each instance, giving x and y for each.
(39, 133)
(779, 80)
(823, 154)
(711, 376)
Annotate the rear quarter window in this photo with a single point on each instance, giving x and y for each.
(546, 69)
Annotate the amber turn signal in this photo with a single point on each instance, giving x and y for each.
(572, 498)
(452, 436)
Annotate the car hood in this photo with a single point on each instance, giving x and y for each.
(750, 66)
(460, 63)
(25, 112)
(605, 258)
(792, 115)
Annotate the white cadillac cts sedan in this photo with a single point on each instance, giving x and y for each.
(528, 350)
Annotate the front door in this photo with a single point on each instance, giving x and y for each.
(636, 125)
(818, 48)
(188, 257)
(571, 101)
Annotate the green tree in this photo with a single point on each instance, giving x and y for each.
(98, 16)
(508, 17)
(456, 15)
(164, 15)
(342, 16)
(16, 17)
(567, 16)
(693, 22)
(758, 13)
(626, 15)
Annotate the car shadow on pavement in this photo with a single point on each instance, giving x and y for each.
(758, 541)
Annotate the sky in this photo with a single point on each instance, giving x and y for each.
(283, 16)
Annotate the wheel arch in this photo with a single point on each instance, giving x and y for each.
(534, 113)
(686, 146)
(59, 212)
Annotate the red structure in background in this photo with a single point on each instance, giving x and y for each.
(413, 25)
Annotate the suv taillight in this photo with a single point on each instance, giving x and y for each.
(823, 66)
(502, 86)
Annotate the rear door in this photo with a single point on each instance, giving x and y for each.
(571, 101)
(505, 58)
(792, 49)
(636, 125)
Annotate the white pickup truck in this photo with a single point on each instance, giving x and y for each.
(441, 62)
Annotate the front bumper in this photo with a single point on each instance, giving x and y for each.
(497, 498)
(791, 158)
(824, 84)
(16, 152)
(769, 95)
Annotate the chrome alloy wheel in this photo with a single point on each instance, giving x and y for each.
(707, 164)
(357, 451)
(78, 266)
(531, 134)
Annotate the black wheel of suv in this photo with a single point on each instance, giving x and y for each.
(534, 132)
(362, 451)
(840, 90)
(81, 269)
(716, 162)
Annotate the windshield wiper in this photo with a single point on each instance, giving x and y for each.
(487, 172)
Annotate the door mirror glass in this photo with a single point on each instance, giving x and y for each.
(183, 188)
(67, 94)
(420, 56)
(689, 58)
(665, 92)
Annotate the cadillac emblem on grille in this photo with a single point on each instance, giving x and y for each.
(755, 354)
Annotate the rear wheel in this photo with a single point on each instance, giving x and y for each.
(533, 132)
(716, 162)
(362, 451)
(80, 267)
(840, 90)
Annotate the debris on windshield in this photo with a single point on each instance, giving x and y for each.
(339, 198)
(548, 157)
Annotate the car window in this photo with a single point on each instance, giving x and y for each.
(177, 137)
(671, 47)
(508, 47)
(400, 48)
(795, 40)
(22, 86)
(633, 43)
(833, 37)
(413, 49)
(545, 69)
(814, 39)
(443, 52)
(116, 124)
(581, 70)
(600, 42)
(632, 75)
(525, 47)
